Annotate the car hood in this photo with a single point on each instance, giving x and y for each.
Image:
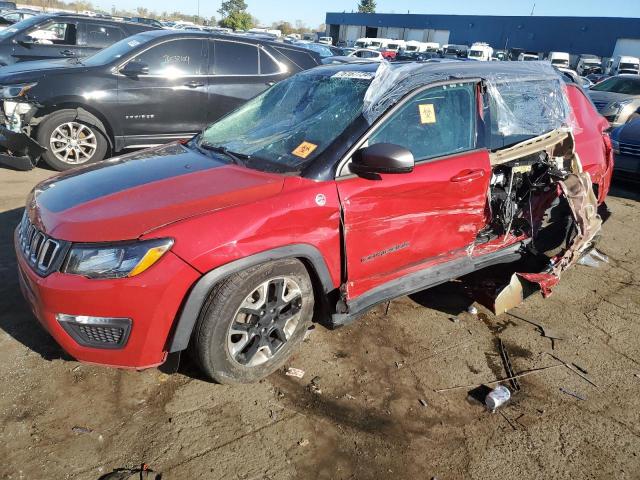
(629, 133)
(126, 197)
(30, 71)
(608, 97)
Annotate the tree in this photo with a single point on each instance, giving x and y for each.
(237, 21)
(230, 7)
(367, 6)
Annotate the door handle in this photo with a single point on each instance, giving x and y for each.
(194, 84)
(67, 53)
(467, 175)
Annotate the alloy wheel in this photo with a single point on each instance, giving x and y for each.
(73, 143)
(265, 321)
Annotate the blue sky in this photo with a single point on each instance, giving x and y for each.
(312, 13)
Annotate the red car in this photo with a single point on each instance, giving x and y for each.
(335, 190)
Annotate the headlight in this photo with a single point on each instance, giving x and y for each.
(15, 91)
(117, 260)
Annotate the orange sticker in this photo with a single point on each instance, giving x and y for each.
(427, 113)
(304, 149)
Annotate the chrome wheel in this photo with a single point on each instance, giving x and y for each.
(73, 143)
(265, 320)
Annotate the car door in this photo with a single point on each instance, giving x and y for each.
(94, 36)
(398, 224)
(51, 39)
(240, 71)
(169, 101)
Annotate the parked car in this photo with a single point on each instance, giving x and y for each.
(457, 51)
(405, 56)
(367, 53)
(147, 21)
(481, 52)
(306, 203)
(10, 17)
(7, 6)
(559, 59)
(61, 36)
(528, 57)
(622, 64)
(147, 89)
(321, 49)
(589, 64)
(596, 78)
(626, 147)
(325, 40)
(617, 98)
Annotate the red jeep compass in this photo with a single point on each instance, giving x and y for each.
(335, 190)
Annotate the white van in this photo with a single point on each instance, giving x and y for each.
(362, 43)
(559, 59)
(413, 46)
(528, 57)
(326, 40)
(379, 43)
(623, 64)
(588, 64)
(481, 52)
(396, 46)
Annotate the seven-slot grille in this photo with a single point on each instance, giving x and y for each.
(628, 149)
(39, 249)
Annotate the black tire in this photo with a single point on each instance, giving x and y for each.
(56, 119)
(213, 335)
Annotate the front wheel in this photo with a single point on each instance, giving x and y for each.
(253, 321)
(70, 142)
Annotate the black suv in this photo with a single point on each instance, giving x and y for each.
(62, 35)
(145, 90)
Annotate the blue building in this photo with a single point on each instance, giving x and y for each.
(603, 36)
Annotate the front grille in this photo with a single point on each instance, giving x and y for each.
(601, 105)
(628, 149)
(102, 335)
(40, 250)
(97, 332)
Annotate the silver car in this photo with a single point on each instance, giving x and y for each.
(617, 98)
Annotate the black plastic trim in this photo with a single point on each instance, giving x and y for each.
(200, 290)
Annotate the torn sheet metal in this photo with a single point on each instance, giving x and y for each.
(18, 150)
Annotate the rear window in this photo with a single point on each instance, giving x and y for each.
(303, 60)
(235, 58)
(625, 85)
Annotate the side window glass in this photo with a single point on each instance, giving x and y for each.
(177, 58)
(101, 36)
(437, 122)
(234, 58)
(54, 34)
(268, 66)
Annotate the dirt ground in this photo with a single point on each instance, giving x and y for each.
(368, 420)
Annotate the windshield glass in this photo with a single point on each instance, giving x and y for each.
(294, 121)
(475, 53)
(115, 51)
(628, 66)
(559, 61)
(20, 26)
(376, 44)
(319, 49)
(626, 85)
(411, 48)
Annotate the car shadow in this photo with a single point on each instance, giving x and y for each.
(16, 318)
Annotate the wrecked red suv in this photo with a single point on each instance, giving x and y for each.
(335, 190)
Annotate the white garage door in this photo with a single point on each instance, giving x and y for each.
(440, 36)
(415, 34)
(353, 33)
(627, 46)
(393, 33)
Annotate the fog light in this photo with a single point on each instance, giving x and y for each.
(96, 332)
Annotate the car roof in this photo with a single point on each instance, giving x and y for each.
(88, 17)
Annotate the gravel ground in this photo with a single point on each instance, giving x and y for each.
(377, 413)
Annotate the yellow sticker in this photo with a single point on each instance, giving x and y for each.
(427, 113)
(304, 149)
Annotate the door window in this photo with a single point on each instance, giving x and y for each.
(234, 58)
(439, 121)
(54, 33)
(178, 58)
(268, 66)
(100, 36)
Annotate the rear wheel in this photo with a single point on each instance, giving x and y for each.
(70, 142)
(253, 321)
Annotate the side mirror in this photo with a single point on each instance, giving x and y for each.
(382, 158)
(26, 41)
(135, 69)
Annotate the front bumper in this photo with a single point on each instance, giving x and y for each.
(18, 150)
(151, 300)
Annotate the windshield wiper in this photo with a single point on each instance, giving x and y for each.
(237, 158)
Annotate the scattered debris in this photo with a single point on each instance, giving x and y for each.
(637, 375)
(75, 369)
(566, 364)
(294, 372)
(507, 419)
(472, 310)
(163, 377)
(454, 319)
(593, 258)
(423, 402)
(493, 382)
(573, 394)
(313, 385)
(307, 334)
(349, 397)
(386, 310)
(580, 368)
(304, 442)
(141, 473)
(497, 397)
(79, 430)
(508, 367)
(399, 364)
(544, 330)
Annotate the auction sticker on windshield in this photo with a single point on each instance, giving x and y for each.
(356, 75)
(304, 149)
(427, 113)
